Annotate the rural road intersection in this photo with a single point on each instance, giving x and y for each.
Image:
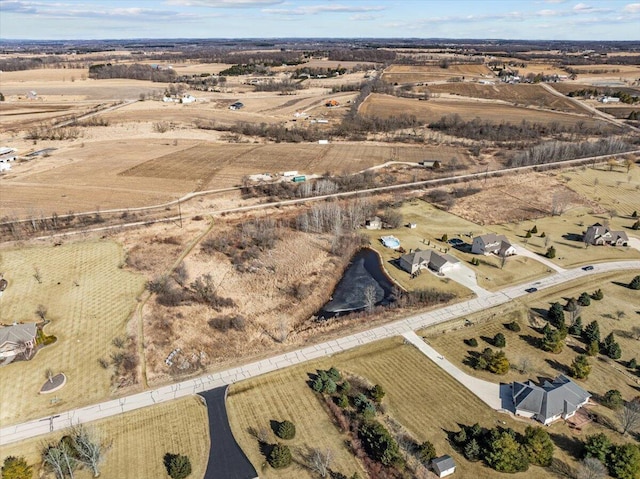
(206, 382)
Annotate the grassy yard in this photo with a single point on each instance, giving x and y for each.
(88, 300)
(565, 234)
(605, 375)
(139, 440)
(431, 224)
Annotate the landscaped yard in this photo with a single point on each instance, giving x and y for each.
(431, 224)
(564, 232)
(606, 374)
(139, 440)
(88, 298)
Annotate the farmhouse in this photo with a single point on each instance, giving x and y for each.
(549, 402)
(599, 235)
(492, 243)
(17, 338)
(427, 259)
(443, 466)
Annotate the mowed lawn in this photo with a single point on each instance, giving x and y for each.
(422, 397)
(139, 440)
(605, 375)
(88, 300)
(564, 232)
(431, 224)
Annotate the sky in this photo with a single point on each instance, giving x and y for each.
(491, 19)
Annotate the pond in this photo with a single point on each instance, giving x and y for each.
(363, 283)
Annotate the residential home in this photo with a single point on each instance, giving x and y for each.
(428, 259)
(16, 338)
(547, 403)
(443, 466)
(492, 244)
(374, 223)
(599, 235)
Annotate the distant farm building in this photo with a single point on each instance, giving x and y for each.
(17, 338)
(428, 259)
(547, 403)
(599, 235)
(492, 244)
(429, 163)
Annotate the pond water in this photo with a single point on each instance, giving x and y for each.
(362, 282)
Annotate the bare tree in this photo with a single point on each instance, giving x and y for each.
(524, 365)
(41, 312)
(37, 275)
(629, 416)
(89, 450)
(69, 461)
(559, 202)
(620, 314)
(52, 459)
(591, 468)
(369, 298)
(49, 375)
(320, 461)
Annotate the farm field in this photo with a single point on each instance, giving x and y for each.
(522, 94)
(432, 223)
(606, 374)
(617, 189)
(88, 298)
(385, 106)
(139, 440)
(620, 112)
(425, 73)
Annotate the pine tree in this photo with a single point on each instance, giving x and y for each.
(591, 332)
(580, 368)
(584, 299)
(635, 283)
(576, 327)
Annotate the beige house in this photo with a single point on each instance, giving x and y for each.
(428, 259)
(492, 244)
(599, 235)
(17, 338)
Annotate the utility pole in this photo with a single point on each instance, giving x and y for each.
(180, 213)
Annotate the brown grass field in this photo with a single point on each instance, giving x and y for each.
(425, 73)
(421, 396)
(432, 223)
(606, 374)
(521, 94)
(620, 112)
(85, 319)
(385, 106)
(178, 427)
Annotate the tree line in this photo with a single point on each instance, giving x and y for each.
(135, 71)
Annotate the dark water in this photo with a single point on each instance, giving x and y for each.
(364, 272)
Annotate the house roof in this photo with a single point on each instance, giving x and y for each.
(560, 396)
(596, 230)
(443, 463)
(436, 260)
(17, 332)
(491, 240)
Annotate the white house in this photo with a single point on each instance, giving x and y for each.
(17, 338)
(600, 235)
(610, 99)
(492, 244)
(443, 466)
(187, 99)
(547, 403)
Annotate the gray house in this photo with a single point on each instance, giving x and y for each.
(601, 235)
(492, 244)
(549, 402)
(427, 259)
(17, 338)
(443, 466)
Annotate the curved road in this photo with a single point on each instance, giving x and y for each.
(206, 382)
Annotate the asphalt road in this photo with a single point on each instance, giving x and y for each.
(206, 382)
(226, 459)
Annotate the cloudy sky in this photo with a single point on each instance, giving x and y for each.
(505, 19)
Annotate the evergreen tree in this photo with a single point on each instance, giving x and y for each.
(280, 456)
(597, 295)
(534, 230)
(624, 461)
(377, 393)
(580, 367)
(591, 332)
(505, 454)
(636, 226)
(556, 314)
(576, 327)
(552, 341)
(499, 341)
(538, 445)
(612, 399)
(633, 364)
(16, 468)
(598, 446)
(286, 430)
(177, 465)
(426, 452)
(551, 252)
(593, 348)
(584, 299)
(635, 283)
(472, 450)
(611, 348)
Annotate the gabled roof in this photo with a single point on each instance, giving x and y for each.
(493, 240)
(443, 463)
(552, 399)
(436, 260)
(17, 332)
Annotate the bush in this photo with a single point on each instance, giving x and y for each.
(513, 326)
(580, 367)
(378, 443)
(635, 283)
(280, 456)
(16, 468)
(499, 341)
(472, 342)
(377, 393)
(584, 299)
(286, 430)
(177, 465)
(551, 252)
(426, 452)
(612, 399)
(597, 295)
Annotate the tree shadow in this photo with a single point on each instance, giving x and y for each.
(530, 340)
(557, 365)
(487, 340)
(573, 237)
(618, 283)
(274, 425)
(540, 311)
(571, 445)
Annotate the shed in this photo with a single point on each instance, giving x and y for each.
(443, 466)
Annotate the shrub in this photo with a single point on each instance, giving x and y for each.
(426, 452)
(580, 367)
(280, 456)
(378, 443)
(551, 252)
(612, 399)
(635, 283)
(473, 342)
(513, 326)
(499, 341)
(584, 299)
(177, 465)
(377, 393)
(334, 374)
(597, 295)
(16, 468)
(286, 430)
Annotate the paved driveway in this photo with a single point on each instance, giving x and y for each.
(467, 277)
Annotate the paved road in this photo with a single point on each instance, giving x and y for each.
(226, 459)
(113, 407)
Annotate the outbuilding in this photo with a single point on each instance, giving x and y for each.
(443, 466)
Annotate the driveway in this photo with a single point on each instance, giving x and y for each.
(467, 277)
(522, 251)
(496, 396)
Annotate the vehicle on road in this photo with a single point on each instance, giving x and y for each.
(531, 290)
(587, 268)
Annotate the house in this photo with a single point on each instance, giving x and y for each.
(187, 99)
(236, 106)
(427, 259)
(4, 167)
(549, 402)
(492, 243)
(443, 466)
(374, 223)
(599, 235)
(16, 338)
(609, 99)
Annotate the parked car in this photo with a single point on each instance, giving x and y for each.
(587, 268)
(531, 290)
(455, 241)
